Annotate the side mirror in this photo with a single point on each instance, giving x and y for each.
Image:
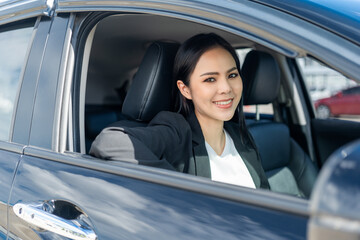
(335, 204)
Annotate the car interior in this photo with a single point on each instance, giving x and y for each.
(126, 79)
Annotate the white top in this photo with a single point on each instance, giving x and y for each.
(229, 166)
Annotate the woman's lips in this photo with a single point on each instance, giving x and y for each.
(224, 103)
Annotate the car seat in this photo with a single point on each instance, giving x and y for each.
(288, 168)
(151, 89)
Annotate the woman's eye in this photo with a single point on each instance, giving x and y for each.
(209, 80)
(233, 75)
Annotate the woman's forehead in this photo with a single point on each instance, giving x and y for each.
(215, 59)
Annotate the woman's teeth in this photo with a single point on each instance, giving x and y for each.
(223, 102)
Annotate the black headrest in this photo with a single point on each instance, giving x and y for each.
(150, 90)
(261, 77)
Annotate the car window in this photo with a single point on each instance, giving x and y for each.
(333, 95)
(351, 91)
(14, 41)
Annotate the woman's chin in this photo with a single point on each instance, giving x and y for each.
(227, 117)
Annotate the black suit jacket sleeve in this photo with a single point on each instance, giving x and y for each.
(165, 142)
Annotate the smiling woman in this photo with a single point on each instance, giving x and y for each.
(205, 140)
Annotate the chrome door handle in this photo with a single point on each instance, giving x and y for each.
(35, 215)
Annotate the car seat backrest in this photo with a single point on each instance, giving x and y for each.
(151, 89)
(261, 75)
(287, 166)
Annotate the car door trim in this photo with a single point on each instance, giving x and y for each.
(11, 147)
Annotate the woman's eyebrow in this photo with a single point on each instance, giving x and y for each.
(209, 73)
(216, 73)
(231, 69)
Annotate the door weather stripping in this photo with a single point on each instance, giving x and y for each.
(36, 215)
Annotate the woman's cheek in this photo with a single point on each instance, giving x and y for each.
(238, 88)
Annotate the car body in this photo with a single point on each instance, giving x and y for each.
(345, 102)
(77, 57)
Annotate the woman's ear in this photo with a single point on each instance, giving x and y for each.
(184, 90)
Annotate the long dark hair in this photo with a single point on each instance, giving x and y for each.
(186, 59)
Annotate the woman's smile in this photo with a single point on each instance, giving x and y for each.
(224, 103)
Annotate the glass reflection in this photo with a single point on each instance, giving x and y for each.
(13, 48)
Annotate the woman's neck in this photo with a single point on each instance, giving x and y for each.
(213, 131)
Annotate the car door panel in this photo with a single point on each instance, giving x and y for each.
(121, 207)
(353, 103)
(9, 157)
(356, 103)
(331, 134)
(339, 104)
(347, 103)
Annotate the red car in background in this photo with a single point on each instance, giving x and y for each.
(345, 102)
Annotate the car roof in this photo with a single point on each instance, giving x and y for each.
(341, 17)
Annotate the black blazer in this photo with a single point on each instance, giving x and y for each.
(169, 141)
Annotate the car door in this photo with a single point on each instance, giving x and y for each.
(122, 202)
(356, 102)
(339, 103)
(344, 102)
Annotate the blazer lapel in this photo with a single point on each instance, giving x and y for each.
(249, 157)
(200, 164)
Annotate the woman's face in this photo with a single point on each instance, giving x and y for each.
(215, 86)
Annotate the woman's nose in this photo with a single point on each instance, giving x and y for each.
(224, 86)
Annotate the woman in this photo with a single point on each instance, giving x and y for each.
(209, 142)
